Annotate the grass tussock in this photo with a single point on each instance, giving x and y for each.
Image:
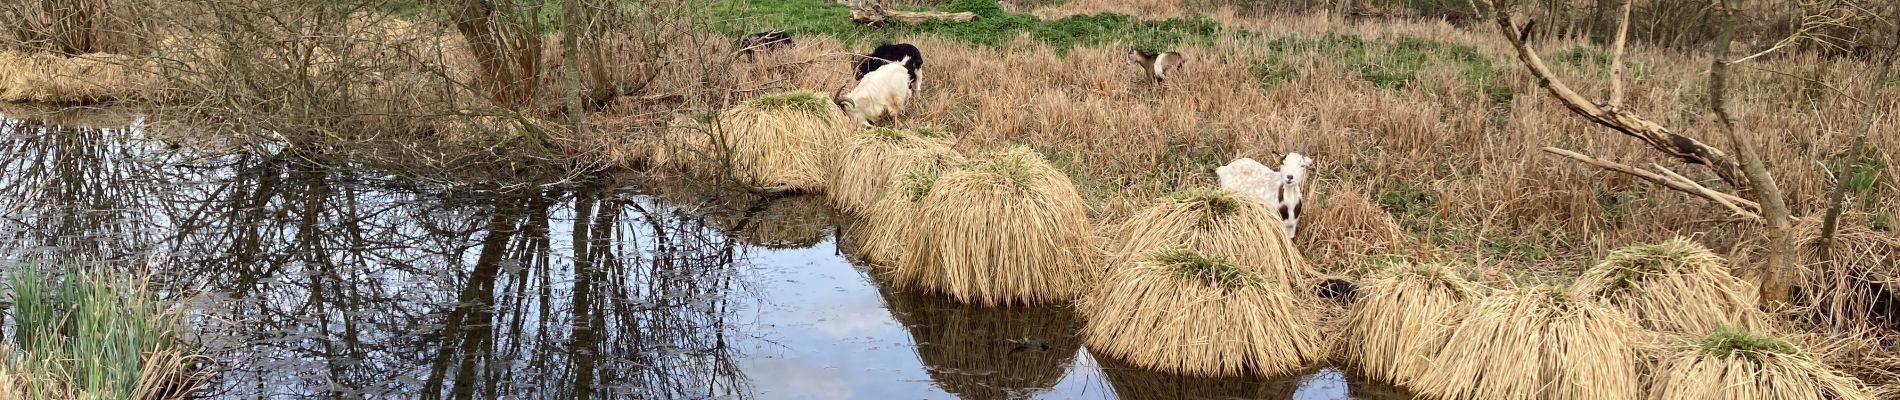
(986, 353)
(1402, 316)
(884, 234)
(1736, 364)
(777, 142)
(877, 157)
(1538, 343)
(83, 336)
(1189, 313)
(1676, 286)
(1342, 227)
(1852, 285)
(1213, 221)
(42, 77)
(1010, 229)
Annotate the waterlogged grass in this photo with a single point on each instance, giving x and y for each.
(1216, 269)
(993, 26)
(85, 336)
(1395, 63)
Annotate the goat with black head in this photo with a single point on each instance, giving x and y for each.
(913, 64)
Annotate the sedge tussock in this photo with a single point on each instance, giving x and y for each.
(1676, 286)
(1731, 363)
(1213, 221)
(1345, 228)
(1537, 343)
(1011, 229)
(1401, 317)
(83, 79)
(1019, 351)
(883, 236)
(1853, 283)
(776, 141)
(1196, 314)
(876, 157)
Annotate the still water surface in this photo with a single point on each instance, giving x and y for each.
(306, 282)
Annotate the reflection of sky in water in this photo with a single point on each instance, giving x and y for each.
(334, 284)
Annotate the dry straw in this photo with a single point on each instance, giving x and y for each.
(884, 235)
(1855, 281)
(1538, 343)
(1008, 230)
(880, 155)
(1183, 312)
(1345, 228)
(1214, 221)
(1735, 364)
(1402, 317)
(1676, 286)
(784, 140)
(986, 353)
(83, 79)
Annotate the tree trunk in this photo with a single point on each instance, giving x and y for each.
(1772, 276)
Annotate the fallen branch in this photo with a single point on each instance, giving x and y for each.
(1742, 206)
(1711, 194)
(877, 15)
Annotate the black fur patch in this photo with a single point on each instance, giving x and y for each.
(892, 52)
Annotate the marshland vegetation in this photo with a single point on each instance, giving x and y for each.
(1034, 162)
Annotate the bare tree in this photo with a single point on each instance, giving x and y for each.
(1837, 196)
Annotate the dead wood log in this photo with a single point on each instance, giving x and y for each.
(876, 15)
(1740, 206)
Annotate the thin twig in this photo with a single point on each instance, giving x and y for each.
(1706, 192)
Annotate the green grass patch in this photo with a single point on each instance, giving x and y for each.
(1009, 169)
(1271, 70)
(1395, 63)
(1732, 342)
(1408, 202)
(917, 184)
(1215, 269)
(993, 27)
(1212, 203)
(808, 102)
(95, 336)
(1881, 221)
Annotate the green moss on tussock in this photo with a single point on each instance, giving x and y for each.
(1733, 342)
(1212, 203)
(805, 101)
(917, 184)
(1216, 269)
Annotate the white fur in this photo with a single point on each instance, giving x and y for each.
(1280, 189)
(1161, 63)
(881, 94)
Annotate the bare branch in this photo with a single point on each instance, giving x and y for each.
(1616, 57)
(1682, 186)
(1710, 194)
(1682, 147)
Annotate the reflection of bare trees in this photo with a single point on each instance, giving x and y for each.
(330, 283)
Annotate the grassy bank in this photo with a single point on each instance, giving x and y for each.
(82, 335)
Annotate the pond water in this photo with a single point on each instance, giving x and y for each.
(310, 282)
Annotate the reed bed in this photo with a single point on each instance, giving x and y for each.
(1131, 382)
(880, 155)
(1852, 286)
(1402, 317)
(93, 336)
(1008, 230)
(1676, 286)
(1213, 221)
(1342, 229)
(1737, 364)
(1537, 343)
(1196, 314)
(43, 77)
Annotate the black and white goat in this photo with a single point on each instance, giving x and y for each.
(880, 94)
(1281, 189)
(913, 64)
(1157, 66)
(761, 41)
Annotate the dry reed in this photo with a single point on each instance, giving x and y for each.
(1344, 229)
(82, 79)
(1213, 221)
(778, 140)
(1199, 314)
(877, 157)
(1676, 286)
(1847, 285)
(1010, 229)
(1537, 343)
(1734, 364)
(883, 236)
(1403, 316)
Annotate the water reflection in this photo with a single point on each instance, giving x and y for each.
(324, 282)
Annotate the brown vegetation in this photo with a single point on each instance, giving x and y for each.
(1731, 364)
(1213, 221)
(1402, 317)
(1675, 286)
(1537, 343)
(1200, 314)
(1007, 230)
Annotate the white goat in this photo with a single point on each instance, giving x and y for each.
(1280, 189)
(880, 95)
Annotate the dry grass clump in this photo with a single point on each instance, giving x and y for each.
(83, 79)
(1852, 286)
(884, 234)
(1538, 343)
(1010, 229)
(1739, 364)
(784, 139)
(1402, 317)
(1213, 221)
(878, 156)
(986, 353)
(1183, 312)
(1676, 286)
(1345, 228)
